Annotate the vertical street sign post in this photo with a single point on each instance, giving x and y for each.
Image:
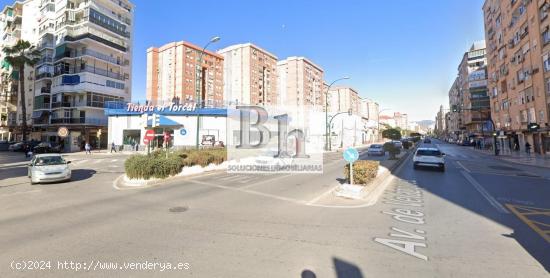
(351, 155)
(149, 135)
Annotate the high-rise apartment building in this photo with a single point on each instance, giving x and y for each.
(173, 70)
(455, 127)
(86, 52)
(343, 99)
(300, 83)
(17, 22)
(472, 84)
(250, 75)
(518, 53)
(401, 120)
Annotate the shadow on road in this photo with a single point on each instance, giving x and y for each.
(453, 187)
(342, 268)
(82, 174)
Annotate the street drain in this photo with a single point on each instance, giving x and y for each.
(178, 209)
(503, 168)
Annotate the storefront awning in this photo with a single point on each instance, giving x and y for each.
(163, 121)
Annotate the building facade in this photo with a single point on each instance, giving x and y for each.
(17, 22)
(173, 71)
(86, 53)
(300, 83)
(518, 50)
(343, 99)
(249, 74)
(456, 123)
(475, 107)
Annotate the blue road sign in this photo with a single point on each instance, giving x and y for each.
(183, 131)
(351, 155)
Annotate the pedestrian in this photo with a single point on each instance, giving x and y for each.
(137, 146)
(113, 147)
(528, 148)
(88, 148)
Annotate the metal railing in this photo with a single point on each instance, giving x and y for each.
(81, 120)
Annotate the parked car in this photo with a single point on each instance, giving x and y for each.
(376, 149)
(46, 147)
(49, 168)
(17, 147)
(397, 144)
(429, 157)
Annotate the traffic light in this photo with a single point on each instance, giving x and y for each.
(533, 127)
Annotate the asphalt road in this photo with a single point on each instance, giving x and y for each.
(477, 219)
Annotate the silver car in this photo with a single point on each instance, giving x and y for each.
(49, 168)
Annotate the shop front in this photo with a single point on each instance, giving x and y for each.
(127, 126)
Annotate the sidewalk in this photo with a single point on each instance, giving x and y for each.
(534, 159)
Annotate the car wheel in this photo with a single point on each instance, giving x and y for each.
(415, 166)
(442, 168)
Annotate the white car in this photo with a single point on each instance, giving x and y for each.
(49, 168)
(376, 149)
(429, 157)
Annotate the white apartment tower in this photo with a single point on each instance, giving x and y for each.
(86, 48)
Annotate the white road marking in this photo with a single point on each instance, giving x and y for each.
(314, 200)
(463, 167)
(484, 193)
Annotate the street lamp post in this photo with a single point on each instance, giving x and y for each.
(330, 124)
(199, 85)
(327, 147)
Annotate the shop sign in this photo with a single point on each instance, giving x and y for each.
(172, 107)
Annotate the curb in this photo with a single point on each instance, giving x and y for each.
(512, 161)
(371, 195)
(120, 184)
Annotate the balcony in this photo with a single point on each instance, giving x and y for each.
(86, 121)
(44, 60)
(71, 53)
(45, 90)
(93, 70)
(42, 106)
(43, 75)
(61, 104)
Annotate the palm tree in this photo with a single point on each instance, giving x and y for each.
(18, 56)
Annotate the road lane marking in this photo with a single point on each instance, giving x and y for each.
(543, 229)
(463, 167)
(314, 200)
(484, 193)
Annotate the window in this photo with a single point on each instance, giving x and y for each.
(546, 62)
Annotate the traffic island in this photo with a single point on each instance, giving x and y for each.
(161, 166)
(370, 180)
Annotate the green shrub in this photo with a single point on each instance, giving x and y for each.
(407, 145)
(391, 149)
(153, 166)
(364, 171)
(160, 165)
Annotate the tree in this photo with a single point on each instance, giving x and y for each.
(392, 133)
(18, 56)
(391, 149)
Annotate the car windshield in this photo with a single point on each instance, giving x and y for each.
(376, 146)
(49, 160)
(428, 152)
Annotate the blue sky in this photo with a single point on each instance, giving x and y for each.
(403, 54)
